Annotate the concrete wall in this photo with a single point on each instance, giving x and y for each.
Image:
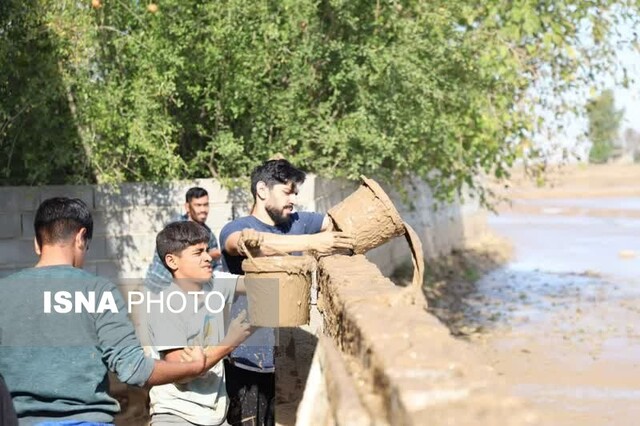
(127, 218)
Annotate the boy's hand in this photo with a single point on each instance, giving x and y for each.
(239, 330)
(194, 354)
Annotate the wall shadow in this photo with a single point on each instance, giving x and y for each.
(293, 363)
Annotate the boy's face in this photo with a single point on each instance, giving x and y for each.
(193, 263)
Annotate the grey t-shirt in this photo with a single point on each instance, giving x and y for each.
(203, 400)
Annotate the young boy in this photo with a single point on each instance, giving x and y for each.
(192, 314)
(54, 354)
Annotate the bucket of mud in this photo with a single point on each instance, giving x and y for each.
(278, 289)
(370, 216)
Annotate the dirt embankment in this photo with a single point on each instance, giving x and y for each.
(450, 280)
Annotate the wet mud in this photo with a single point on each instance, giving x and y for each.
(369, 215)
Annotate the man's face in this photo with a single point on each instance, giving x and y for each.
(193, 263)
(198, 209)
(280, 201)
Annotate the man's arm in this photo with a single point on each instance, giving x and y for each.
(213, 354)
(170, 372)
(215, 254)
(191, 354)
(268, 244)
(122, 353)
(239, 331)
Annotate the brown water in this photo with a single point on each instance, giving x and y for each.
(563, 318)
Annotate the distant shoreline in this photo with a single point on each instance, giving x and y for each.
(573, 181)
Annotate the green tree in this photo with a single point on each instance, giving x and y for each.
(441, 89)
(604, 123)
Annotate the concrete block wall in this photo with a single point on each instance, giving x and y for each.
(127, 218)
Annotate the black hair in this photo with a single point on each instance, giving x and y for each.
(177, 236)
(58, 219)
(196, 192)
(274, 172)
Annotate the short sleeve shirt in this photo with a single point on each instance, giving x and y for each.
(257, 352)
(203, 400)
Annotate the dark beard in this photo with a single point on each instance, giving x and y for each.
(276, 215)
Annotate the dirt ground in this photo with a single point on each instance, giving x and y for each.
(451, 281)
(573, 181)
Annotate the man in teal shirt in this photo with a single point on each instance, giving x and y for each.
(55, 363)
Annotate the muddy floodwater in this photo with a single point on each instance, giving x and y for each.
(562, 319)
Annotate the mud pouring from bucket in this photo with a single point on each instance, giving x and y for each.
(278, 289)
(370, 216)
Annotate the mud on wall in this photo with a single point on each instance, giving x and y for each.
(395, 363)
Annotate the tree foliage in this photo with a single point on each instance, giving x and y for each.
(604, 124)
(114, 90)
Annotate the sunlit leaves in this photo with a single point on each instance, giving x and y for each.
(438, 89)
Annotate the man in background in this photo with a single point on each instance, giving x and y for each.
(196, 210)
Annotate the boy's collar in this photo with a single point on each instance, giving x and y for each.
(186, 287)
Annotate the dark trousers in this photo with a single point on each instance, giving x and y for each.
(7, 413)
(251, 397)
